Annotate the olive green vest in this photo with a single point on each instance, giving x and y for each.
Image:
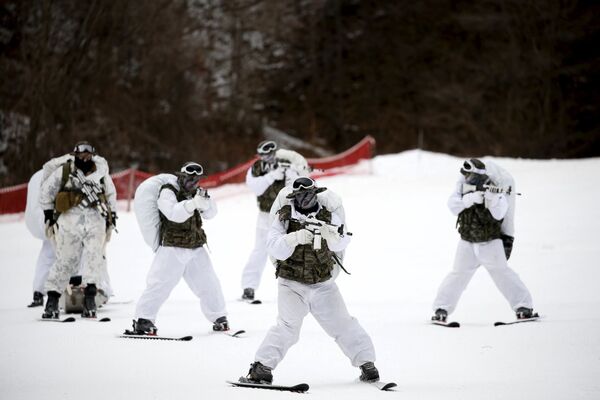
(265, 200)
(188, 234)
(306, 265)
(67, 198)
(476, 224)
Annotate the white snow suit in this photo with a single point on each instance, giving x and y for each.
(80, 231)
(323, 300)
(490, 254)
(172, 263)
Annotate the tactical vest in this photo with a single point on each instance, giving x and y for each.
(306, 265)
(266, 200)
(67, 198)
(476, 224)
(188, 234)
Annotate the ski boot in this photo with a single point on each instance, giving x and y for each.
(369, 372)
(221, 324)
(51, 310)
(248, 294)
(259, 374)
(144, 327)
(38, 300)
(89, 301)
(525, 313)
(440, 315)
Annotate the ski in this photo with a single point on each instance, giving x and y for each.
(105, 319)
(130, 335)
(68, 319)
(452, 324)
(383, 385)
(518, 321)
(299, 388)
(251, 301)
(237, 334)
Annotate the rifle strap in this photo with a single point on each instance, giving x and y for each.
(337, 260)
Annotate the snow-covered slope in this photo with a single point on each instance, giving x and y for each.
(403, 245)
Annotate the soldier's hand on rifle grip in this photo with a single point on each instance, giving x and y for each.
(469, 199)
(330, 234)
(303, 236)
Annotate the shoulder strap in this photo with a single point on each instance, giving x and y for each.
(66, 171)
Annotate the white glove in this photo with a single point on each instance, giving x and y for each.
(303, 236)
(291, 176)
(198, 202)
(276, 174)
(50, 230)
(491, 199)
(469, 199)
(330, 233)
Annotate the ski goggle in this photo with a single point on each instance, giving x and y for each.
(84, 148)
(192, 169)
(303, 183)
(470, 168)
(266, 147)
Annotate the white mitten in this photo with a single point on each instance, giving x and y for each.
(330, 233)
(469, 199)
(276, 174)
(303, 236)
(198, 202)
(49, 230)
(491, 199)
(291, 176)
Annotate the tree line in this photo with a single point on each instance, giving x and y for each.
(160, 82)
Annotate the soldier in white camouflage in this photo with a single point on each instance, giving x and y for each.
(274, 169)
(306, 271)
(481, 212)
(78, 223)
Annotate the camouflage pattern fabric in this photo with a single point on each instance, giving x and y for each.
(265, 200)
(80, 233)
(188, 234)
(476, 225)
(306, 265)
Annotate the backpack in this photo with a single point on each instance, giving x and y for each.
(146, 208)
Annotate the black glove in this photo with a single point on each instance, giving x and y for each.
(49, 217)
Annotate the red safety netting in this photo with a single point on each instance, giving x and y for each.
(13, 198)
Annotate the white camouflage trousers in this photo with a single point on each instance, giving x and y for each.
(80, 233)
(469, 256)
(45, 260)
(324, 301)
(169, 266)
(255, 265)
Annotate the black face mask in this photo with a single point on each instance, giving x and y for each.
(188, 183)
(476, 179)
(84, 166)
(306, 201)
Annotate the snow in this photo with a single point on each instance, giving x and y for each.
(403, 246)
